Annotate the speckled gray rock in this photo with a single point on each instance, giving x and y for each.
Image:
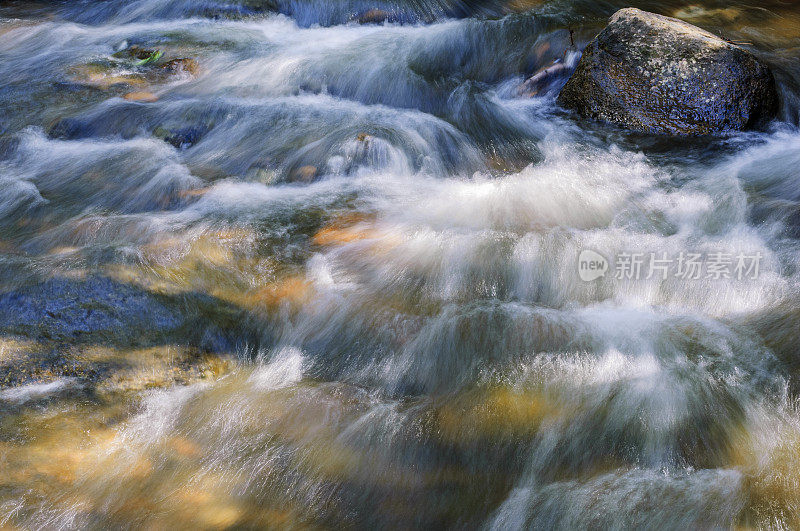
(658, 74)
(65, 308)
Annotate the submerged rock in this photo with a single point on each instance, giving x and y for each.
(699, 13)
(113, 335)
(182, 137)
(181, 65)
(64, 308)
(657, 74)
(304, 174)
(142, 96)
(374, 16)
(133, 67)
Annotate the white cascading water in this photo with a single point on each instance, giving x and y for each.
(395, 233)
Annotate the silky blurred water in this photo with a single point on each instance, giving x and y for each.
(314, 264)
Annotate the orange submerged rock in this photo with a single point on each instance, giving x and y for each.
(146, 97)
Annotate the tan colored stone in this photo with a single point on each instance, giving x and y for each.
(144, 97)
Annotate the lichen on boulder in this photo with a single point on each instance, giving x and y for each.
(660, 75)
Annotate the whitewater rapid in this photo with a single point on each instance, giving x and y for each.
(381, 237)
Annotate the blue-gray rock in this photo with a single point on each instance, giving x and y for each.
(657, 74)
(67, 308)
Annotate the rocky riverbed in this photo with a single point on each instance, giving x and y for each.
(317, 264)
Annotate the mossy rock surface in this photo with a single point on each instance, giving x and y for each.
(656, 74)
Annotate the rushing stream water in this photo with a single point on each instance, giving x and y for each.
(263, 265)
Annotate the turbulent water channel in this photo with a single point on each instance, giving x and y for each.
(315, 264)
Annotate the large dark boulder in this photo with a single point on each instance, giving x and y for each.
(658, 74)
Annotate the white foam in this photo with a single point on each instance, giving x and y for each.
(284, 370)
(34, 391)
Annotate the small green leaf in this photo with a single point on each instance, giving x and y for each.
(155, 56)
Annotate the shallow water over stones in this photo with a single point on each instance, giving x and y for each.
(262, 265)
